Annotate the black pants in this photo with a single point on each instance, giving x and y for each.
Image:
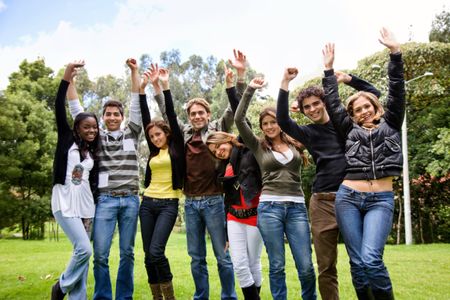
(157, 218)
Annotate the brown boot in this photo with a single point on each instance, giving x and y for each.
(156, 291)
(167, 290)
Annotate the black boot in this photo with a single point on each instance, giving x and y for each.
(383, 295)
(259, 289)
(250, 293)
(57, 293)
(365, 294)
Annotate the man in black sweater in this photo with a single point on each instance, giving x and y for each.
(326, 147)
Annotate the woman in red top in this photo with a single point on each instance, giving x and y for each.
(242, 187)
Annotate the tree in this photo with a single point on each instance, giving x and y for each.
(440, 28)
(27, 144)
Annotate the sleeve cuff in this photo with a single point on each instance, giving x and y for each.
(329, 73)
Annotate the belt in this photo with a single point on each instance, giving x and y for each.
(158, 199)
(120, 193)
(243, 213)
(201, 197)
(329, 196)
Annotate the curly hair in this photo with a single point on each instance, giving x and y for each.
(314, 90)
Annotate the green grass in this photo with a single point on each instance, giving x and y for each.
(29, 268)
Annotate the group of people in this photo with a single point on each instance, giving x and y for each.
(245, 190)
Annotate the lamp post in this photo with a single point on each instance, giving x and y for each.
(406, 191)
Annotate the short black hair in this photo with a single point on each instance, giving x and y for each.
(113, 103)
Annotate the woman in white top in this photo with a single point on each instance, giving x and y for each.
(75, 173)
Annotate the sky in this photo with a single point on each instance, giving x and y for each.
(273, 34)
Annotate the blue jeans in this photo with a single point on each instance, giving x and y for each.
(73, 280)
(109, 211)
(157, 217)
(365, 221)
(275, 220)
(208, 213)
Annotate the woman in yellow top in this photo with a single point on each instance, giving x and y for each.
(163, 181)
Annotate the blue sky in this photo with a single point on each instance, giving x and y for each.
(273, 34)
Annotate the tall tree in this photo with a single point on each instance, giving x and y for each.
(440, 28)
(27, 145)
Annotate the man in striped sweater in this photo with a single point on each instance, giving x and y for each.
(118, 186)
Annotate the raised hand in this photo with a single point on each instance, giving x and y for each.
(239, 63)
(71, 70)
(164, 77)
(132, 64)
(229, 77)
(153, 73)
(294, 106)
(257, 83)
(328, 56)
(144, 81)
(342, 77)
(387, 39)
(290, 73)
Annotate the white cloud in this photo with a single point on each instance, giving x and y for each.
(290, 33)
(2, 6)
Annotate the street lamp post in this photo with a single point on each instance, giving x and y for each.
(406, 191)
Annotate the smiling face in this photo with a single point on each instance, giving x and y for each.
(198, 116)
(269, 127)
(363, 110)
(88, 129)
(112, 118)
(221, 151)
(314, 109)
(158, 137)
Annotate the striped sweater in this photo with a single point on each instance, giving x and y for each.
(118, 166)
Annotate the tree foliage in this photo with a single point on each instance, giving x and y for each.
(26, 148)
(440, 28)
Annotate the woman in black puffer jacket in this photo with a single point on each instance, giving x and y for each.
(365, 200)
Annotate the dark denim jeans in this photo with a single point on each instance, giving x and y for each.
(275, 220)
(208, 213)
(109, 211)
(157, 217)
(365, 221)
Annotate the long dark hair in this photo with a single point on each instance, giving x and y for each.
(267, 143)
(94, 146)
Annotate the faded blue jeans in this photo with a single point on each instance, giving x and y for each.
(365, 221)
(201, 214)
(110, 210)
(73, 280)
(275, 220)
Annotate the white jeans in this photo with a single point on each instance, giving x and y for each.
(245, 249)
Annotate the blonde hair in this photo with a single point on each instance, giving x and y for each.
(379, 110)
(220, 137)
(199, 101)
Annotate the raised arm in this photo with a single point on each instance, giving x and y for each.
(177, 134)
(135, 109)
(60, 103)
(357, 83)
(240, 65)
(337, 112)
(146, 118)
(233, 97)
(395, 105)
(245, 131)
(283, 119)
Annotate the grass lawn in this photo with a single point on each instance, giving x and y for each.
(29, 268)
